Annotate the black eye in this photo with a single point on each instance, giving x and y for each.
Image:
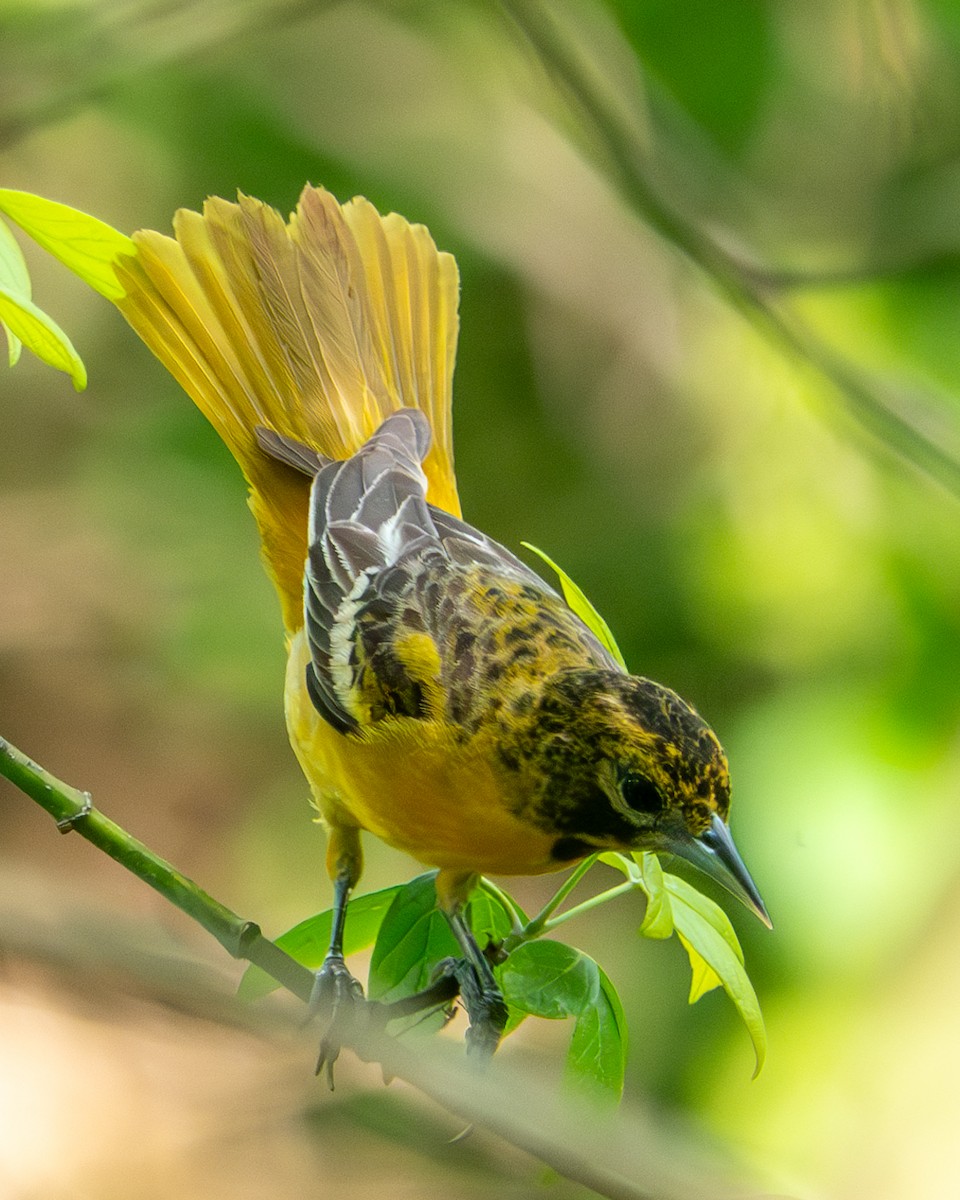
(640, 794)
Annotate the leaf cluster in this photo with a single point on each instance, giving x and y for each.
(540, 976)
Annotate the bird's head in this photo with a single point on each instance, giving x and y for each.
(627, 764)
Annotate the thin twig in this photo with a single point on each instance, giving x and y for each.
(620, 889)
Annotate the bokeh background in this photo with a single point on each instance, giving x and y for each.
(772, 530)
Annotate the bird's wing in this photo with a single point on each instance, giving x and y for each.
(464, 544)
(367, 513)
(386, 576)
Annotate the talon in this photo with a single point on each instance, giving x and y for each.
(485, 1008)
(337, 997)
(479, 990)
(487, 1022)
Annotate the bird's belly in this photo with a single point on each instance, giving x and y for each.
(414, 785)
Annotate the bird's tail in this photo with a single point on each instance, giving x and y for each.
(317, 328)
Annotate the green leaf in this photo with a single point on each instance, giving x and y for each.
(86, 246)
(549, 979)
(709, 938)
(658, 919)
(512, 911)
(15, 277)
(579, 603)
(598, 1049)
(42, 335)
(413, 938)
(488, 918)
(709, 911)
(308, 941)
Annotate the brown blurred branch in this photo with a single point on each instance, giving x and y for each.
(752, 290)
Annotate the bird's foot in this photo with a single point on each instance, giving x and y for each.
(339, 1001)
(485, 1007)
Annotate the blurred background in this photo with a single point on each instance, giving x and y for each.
(708, 361)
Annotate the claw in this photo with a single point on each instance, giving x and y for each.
(479, 990)
(485, 1008)
(338, 998)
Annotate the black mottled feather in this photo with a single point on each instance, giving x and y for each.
(383, 565)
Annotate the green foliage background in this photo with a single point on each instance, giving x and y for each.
(717, 498)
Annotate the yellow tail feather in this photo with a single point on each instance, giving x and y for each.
(318, 328)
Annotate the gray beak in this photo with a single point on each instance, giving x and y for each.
(714, 853)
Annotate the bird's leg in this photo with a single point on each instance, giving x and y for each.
(337, 995)
(479, 991)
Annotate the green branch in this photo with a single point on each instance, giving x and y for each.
(743, 286)
(539, 924)
(621, 1158)
(621, 889)
(73, 810)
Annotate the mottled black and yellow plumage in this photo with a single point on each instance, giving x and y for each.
(439, 694)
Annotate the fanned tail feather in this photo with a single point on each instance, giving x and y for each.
(316, 329)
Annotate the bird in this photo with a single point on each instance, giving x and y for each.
(439, 694)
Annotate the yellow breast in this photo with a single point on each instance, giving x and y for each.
(415, 785)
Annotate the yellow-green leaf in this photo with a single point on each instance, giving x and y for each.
(658, 919)
(579, 603)
(703, 978)
(87, 246)
(709, 938)
(685, 893)
(16, 278)
(42, 335)
(620, 862)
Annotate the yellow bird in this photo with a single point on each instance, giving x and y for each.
(438, 693)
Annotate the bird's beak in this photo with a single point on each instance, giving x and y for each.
(714, 853)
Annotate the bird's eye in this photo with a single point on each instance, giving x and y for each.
(640, 794)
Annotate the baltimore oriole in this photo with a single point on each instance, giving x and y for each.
(439, 694)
